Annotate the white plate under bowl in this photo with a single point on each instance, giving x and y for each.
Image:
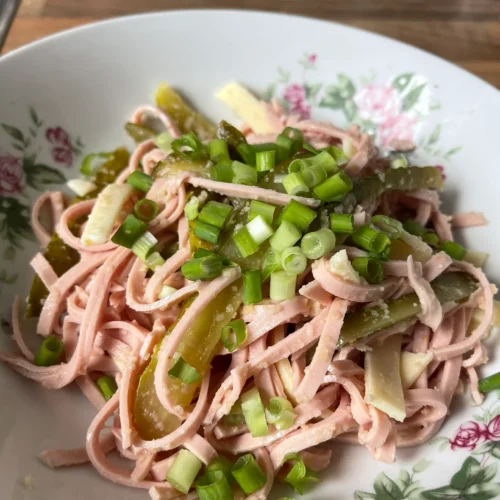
(71, 93)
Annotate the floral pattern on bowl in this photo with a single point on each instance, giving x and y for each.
(393, 111)
(21, 170)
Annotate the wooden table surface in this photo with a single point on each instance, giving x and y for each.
(466, 32)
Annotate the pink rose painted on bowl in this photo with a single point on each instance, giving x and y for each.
(377, 102)
(11, 175)
(295, 96)
(494, 429)
(395, 130)
(469, 435)
(62, 152)
(311, 58)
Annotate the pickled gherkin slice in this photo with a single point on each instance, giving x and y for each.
(188, 120)
(448, 287)
(198, 347)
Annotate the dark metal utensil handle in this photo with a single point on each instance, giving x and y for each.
(8, 9)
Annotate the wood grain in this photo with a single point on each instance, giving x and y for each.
(466, 32)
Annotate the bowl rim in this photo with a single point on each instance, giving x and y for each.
(116, 20)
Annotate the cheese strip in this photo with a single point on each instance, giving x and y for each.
(383, 387)
(246, 106)
(413, 365)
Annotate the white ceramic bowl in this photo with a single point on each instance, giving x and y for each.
(71, 93)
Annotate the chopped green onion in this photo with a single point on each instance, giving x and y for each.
(454, 250)
(314, 175)
(334, 188)
(271, 263)
(310, 148)
(154, 261)
(223, 464)
(266, 146)
(191, 208)
(342, 223)
(164, 142)
(206, 232)
(431, 239)
(392, 227)
(144, 245)
(297, 214)
(282, 285)
(265, 160)
(318, 243)
(247, 152)
(234, 417)
(323, 159)
(370, 239)
(244, 174)
(218, 150)
(107, 386)
(222, 172)
(254, 413)
(233, 334)
(295, 184)
(140, 180)
(244, 242)
(203, 252)
(490, 383)
(280, 413)
(338, 154)
(50, 352)
(216, 214)
(183, 471)
(399, 162)
(129, 232)
(166, 291)
(203, 268)
(146, 210)
(265, 210)
(299, 475)
(259, 230)
(293, 260)
(93, 162)
(285, 236)
(369, 268)
(189, 147)
(412, 227)
(213, 485)
(288, 143)
(182, 370)
(252, 290)
(248, 474)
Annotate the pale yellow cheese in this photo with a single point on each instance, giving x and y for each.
(383, 387)
(413, 365)
(341, 266)
(246, 106)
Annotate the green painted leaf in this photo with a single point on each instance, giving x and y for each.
(268, 94)
(404, 477)
(478, 417)
(412, 488)
(489, 472)
(312, 90)
(363, 495)
(333, 98)
(6, 279)
(347, 88)
(470, 473)
(284, 76)
(412, 97)
(439, 439)
(350, 110)
(17, 147)
(34, 117)
(453, 151)
(421, 465)
(386, 488)
(444, 445)
(435, 135)
(443, 493)
(495, 451)
(14, 132)
(38, 176)
(483, 491)
(16, 224)
(10, 253)
(484, 448)
(415, 494)
(402, 81)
